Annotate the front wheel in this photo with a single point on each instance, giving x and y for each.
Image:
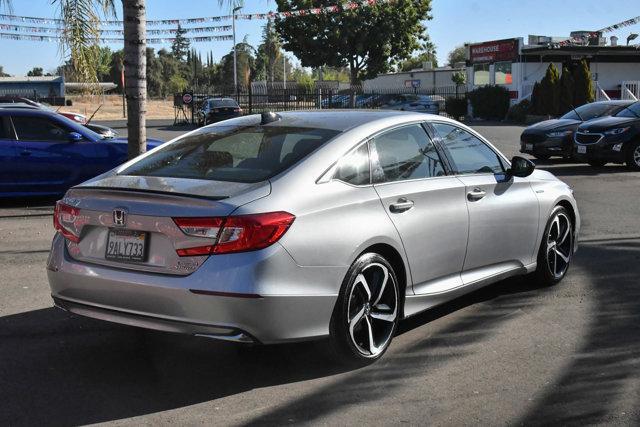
(366, 315)
(633, 156)
(556, 249)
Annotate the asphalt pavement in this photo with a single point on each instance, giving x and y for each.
(512, 353)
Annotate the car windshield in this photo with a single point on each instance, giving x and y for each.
(232, 153)
(592, 111)
(632, 110)
(222, 103)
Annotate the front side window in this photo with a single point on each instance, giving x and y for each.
(481, 74)
(354, 167)
(469, 154)
(404, 153)
(502, 72)
(31, 128)
(232, 153)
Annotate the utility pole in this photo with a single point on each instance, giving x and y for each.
(235, 55)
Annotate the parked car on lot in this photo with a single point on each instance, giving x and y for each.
(272, 228)
(411, 102)
(613, 139)
(217, 109)
(554, 137)
(76, 117)
(44, 153)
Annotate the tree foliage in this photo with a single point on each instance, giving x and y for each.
(490, 102)
(180, 45)
(36, 72)
(567, 89)
(584, 88)
(550, 91)
(368, 40)
(458, 54)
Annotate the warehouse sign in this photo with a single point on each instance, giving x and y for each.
(493, 51)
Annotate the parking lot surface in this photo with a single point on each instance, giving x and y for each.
(512, 353)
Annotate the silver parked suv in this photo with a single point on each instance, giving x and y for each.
(271, 228)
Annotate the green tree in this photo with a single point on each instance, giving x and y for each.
(584, 87)
(428, 54)
(36, 72)
(269, 54)
(536, 99)
(550, 91)
(458, 54)
(2, 73)
(177, 84)
(246, 62)
(180, 45)
(368, 40)
(567, 89)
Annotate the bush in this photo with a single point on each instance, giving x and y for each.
(490, 102)
(456, 107)
(583, 85)
(550, 91)
(518, 113)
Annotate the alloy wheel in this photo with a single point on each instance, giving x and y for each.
(559, 245)
(636, 156)
(372, 309)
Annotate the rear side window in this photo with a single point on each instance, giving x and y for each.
(31, 128)
(232, 153)
(469, 154)
(405, 153)
(354, 167)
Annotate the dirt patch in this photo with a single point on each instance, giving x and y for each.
(112, 107)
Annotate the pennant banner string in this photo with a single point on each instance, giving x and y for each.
(32, 37)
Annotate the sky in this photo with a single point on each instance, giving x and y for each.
(454, 23)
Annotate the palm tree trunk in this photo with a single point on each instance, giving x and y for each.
(135, 74)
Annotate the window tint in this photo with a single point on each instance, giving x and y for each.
(632, 110)
(354, 167)
(405, 153)
(592, 111)
(39, 129)
(232, 153)
(469, 154)
(220, 103)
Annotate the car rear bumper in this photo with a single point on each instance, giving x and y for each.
(234, 300)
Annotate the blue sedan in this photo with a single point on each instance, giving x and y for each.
(43, 153)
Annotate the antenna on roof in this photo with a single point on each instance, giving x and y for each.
(269, 117)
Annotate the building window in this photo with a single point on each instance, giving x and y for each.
(481, 74)
(503, 73)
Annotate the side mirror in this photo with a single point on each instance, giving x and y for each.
(521, 167)
(75, 137)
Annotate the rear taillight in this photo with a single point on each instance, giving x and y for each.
(64, 219)
(236, 233)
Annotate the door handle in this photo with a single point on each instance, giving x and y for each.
(401, 205)
(476, 194)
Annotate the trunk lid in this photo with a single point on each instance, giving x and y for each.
(149, 205)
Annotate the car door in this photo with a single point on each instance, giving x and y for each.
(49, 162)
(426, 205)
(503, 211)
(9, 182)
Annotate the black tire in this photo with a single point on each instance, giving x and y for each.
(354, 348)
(597, 163)
(550, 270)
(542, 156)
(633, 156)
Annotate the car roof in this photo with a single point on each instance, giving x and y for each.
(344, 119)
(616, 102)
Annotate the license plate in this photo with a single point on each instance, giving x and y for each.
(528, 146)
(126, 245)
(582, 149)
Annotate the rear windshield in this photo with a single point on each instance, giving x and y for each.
(232, 153)
(593, 111)
(219, 103)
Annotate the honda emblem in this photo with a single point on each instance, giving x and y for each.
(119, 217)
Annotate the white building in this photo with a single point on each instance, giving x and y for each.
(518, 66)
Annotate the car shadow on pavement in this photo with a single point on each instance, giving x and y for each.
(63, 369)
(577, 169)
(71, 370)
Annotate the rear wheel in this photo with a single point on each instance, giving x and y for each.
(556, 249)
(633, 156)
(597, 163)
(367, 312)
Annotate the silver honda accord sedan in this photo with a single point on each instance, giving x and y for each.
(303, 225)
